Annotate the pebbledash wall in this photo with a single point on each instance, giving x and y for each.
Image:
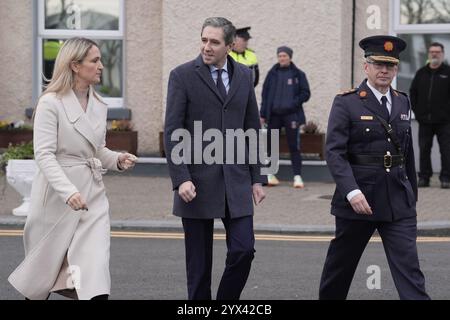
(161, 34)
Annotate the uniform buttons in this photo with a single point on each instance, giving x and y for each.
(388, 170)
(367, 129)
(406, 177)
(389, 139)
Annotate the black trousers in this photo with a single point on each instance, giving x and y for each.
(344, 253)
(426, 135)
(240, 239)
(292, 127)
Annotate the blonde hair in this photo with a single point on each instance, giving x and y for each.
(63, 78)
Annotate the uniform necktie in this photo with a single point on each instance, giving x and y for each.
(220, 85)
(384, 108)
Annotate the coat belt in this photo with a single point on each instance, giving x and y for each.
(93, 163)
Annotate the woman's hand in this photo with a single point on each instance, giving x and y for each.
(126, 161)
(76, 202)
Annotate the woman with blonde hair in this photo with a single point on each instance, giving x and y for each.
(67, 232)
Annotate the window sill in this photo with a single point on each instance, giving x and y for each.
(113, 113)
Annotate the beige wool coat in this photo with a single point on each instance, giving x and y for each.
(67, 249)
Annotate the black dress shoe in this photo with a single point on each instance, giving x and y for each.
(423, 183)
(445, 184)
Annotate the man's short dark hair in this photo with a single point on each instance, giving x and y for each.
(229, 31)
(437, 44)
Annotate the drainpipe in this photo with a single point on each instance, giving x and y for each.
(353, 44)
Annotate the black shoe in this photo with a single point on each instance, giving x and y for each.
(445, 184)
(423, 183)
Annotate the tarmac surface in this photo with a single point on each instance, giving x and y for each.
(145, 202)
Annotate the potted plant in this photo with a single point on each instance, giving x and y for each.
(20, 168)
(14, 133)
(312, 141)
(122, 137)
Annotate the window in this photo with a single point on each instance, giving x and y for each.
(419, 23)
(424, 12)
(99, 20)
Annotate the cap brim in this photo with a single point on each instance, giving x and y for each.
(385, 59)
(243, 36)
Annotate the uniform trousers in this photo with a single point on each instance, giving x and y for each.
(344, 253)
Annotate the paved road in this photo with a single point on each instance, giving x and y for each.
(151, 266)
(147, 201)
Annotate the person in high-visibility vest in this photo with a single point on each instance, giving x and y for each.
(50, 51)
(242, 54)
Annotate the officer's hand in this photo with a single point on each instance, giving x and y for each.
(360, 205)
(258, 193)
(187, 191)
(76, 202)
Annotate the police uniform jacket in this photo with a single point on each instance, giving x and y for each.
(354, 129)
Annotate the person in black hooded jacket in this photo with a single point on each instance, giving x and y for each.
(430, 100)
(285, 90)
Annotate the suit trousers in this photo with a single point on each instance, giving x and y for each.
(426, 135)
(344, 253)
(240, 242)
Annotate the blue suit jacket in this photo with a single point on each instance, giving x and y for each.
(354, 129)
(193, 96)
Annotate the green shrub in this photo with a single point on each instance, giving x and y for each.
(20, 151)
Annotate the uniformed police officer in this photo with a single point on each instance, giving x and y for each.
(370, 155)
(242, 54)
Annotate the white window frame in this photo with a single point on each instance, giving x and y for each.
(415, 28)
(92, 34)
(397, 28)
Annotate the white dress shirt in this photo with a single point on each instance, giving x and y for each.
(225, 76)
(378, 95)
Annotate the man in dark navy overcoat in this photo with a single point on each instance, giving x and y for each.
(216, 92)
(370, 155)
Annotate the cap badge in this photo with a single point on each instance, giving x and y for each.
(388, 46)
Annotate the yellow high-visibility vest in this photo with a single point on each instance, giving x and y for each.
(247, 58)
(51, 49)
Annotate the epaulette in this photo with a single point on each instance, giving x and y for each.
(344, 93)
(397, 92)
